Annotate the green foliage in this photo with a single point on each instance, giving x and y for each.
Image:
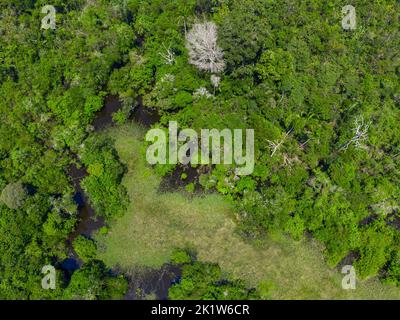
(264, 289)
(50, 89)
(275, 65)
(392, 275)
(102, 184)
(207, 225)
(204, 281)
(103, 230)
(295, 227)
(57, 225)
(119, 117)
(25, 249)
(376, 242)
(13, 195)
(85, 248)
(292, 74)
(92, 282)
(190, 187)
(180, 257)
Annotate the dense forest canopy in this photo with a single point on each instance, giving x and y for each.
(324, 104)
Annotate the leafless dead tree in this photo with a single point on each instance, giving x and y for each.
(302, 145)
(204, 53)
(275, 145)
(360, 134)
(215, 80)
(168, 55)
(202, 92)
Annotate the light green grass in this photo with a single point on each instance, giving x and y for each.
(157, 223)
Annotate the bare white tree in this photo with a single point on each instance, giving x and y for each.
(204, 53)
(215, 80)
(168, 78)
(360, 134)
(275, 145)
(288, 161)
(168, 55)
(202, 92)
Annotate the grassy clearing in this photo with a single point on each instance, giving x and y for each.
(157, 223)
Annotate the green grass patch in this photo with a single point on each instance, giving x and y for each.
(157, 223)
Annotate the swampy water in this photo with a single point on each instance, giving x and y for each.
(142, 283)
(152, 284)
(89, 222)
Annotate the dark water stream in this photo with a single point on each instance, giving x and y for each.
(89, 222)
(147, 283)
(143, 115)
(175, 181)
(142, 283)
(103, 117)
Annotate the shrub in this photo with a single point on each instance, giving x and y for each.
(13, 195)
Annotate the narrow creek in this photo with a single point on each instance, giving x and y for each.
(141, 283)
(88, 221)
(152, 284)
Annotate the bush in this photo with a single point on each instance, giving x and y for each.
(93, 282)
(205, 281)
(180, 257)
(85, 248)
(13, 195)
